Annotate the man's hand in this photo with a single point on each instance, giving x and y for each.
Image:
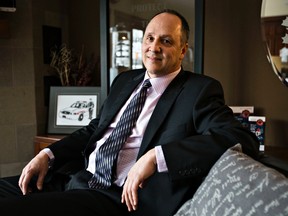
(140, 171)
(38, 166)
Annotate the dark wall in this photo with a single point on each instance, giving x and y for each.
(234, 54)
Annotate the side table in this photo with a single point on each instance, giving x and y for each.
(42, 141)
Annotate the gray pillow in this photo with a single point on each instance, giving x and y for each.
(238, 185)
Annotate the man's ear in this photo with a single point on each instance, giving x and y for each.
(184, 50)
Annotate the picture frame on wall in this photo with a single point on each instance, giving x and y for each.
(71, 108)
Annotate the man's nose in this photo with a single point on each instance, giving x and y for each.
(155, 46)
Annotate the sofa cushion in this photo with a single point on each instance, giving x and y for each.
(239, 185)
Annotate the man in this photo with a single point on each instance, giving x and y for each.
(183, 129)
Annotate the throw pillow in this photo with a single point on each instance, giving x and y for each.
(238, 185)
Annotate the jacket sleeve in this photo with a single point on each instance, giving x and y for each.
(215, 130)
(71, 147)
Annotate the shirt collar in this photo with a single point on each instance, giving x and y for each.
(159, 84)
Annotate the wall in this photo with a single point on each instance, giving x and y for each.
(23, 109)
(234, 54)
(23, 112)
(52, 13)
(84, 31)
(17, 93)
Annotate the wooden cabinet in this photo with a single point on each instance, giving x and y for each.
(41, 142)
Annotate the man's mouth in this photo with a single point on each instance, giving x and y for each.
(154, 58)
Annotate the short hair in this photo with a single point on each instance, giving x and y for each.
(184, 24)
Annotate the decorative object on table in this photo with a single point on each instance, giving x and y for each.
(242, 114)
(73, 68)
(257, 126)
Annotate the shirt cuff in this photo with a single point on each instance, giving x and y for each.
(160, 159)
(49, 153)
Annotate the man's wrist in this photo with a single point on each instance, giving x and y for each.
(50, 155)
(160, 160)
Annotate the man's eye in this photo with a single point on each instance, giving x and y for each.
(150, 39)
(166, 41)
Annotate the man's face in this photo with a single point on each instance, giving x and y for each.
(162, 50)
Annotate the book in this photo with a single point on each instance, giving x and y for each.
(242, 114)
(257, 126)
(241, 109)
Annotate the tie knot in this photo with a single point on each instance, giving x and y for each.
(146, 84)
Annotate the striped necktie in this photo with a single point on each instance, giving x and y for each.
(108, 151)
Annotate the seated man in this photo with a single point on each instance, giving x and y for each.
(136, 162)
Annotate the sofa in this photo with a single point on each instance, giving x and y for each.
(238, 185)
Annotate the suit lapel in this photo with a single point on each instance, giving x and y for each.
(123, 96)
(161, 110)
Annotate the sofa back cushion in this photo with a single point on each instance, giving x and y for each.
(239, 185)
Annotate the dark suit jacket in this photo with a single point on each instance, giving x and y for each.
(190, 121)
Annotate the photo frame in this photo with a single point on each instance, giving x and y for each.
(71, 108)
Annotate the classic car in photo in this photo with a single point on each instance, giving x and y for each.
(77, 111)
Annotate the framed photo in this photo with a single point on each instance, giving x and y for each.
(71, 108)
